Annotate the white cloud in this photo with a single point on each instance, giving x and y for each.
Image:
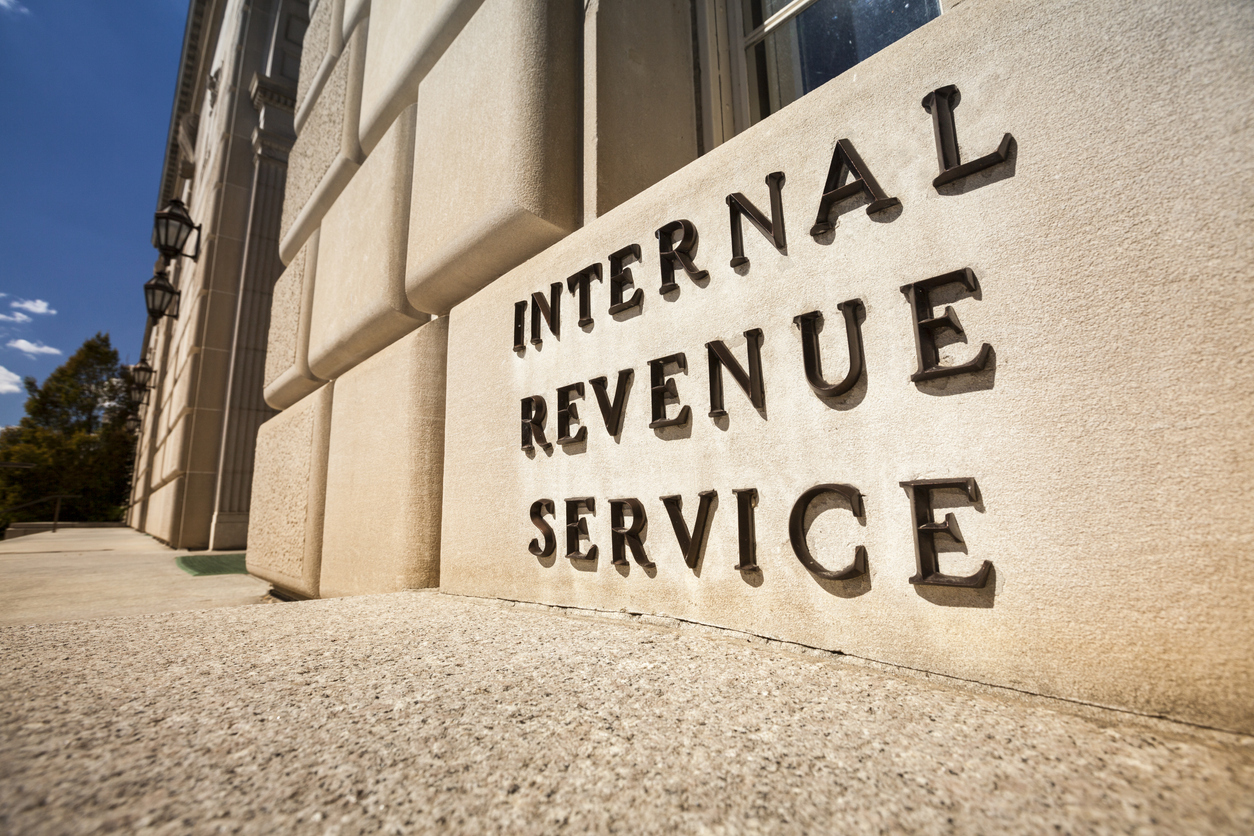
(17, 9)
(31, 349)
(35, 306)
(9, 382)
(17, 316)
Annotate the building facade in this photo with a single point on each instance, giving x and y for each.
(230, 134)
(917, 331)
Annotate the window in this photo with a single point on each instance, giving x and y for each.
(769, 53)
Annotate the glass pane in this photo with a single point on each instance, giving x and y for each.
(757, 11)
(822, 42)
(752, 15)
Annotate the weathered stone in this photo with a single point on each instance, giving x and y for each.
(386, 468)
(289, 489)
(324, 41)
(359, 301)
(327, 152)
(1108, 435)
(406, 40)
(496, 184)
(288, 378)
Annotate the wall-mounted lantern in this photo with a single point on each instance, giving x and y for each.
(171, 227)
(132, 424)
(141, 373)
(161, 297)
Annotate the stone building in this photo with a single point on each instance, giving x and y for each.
(226, 160)
(913, 330)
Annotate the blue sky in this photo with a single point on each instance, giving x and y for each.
(86, 88)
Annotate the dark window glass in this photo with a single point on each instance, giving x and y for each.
(821, 42)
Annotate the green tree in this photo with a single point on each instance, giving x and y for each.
(74, 432)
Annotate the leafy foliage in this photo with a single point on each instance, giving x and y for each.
(74, 432)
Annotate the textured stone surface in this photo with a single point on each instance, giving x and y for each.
(385, 469)
(1110, 438)
(494, 184)
(288, 378)
(285, 317)
(406, 40)
(419, 712)
(289, 489)
(359, 301)
(326, 153)
(323, 43)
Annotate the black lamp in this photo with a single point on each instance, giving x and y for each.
(160, 296)
(141, 373)
(139, 394)
(171, 227)
(132, 424)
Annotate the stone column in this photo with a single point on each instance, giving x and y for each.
(244, 407)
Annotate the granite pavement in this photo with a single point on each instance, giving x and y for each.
(423, 712)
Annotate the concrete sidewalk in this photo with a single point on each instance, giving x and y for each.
(88, 573)
(422, 712)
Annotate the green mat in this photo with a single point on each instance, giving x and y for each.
(211, 564)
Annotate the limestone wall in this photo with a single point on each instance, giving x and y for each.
(1020, 452)
(226, 160)
(1105, 441)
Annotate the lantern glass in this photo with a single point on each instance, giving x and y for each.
(132, 423)
(158, 293)
(171, 228)
(141, 373)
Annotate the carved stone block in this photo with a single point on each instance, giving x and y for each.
(289, 487)
(496, 183)
(324, 41)
(288, 378)
(326, 153)
(385, 469)
(359, 303)
(407, 39)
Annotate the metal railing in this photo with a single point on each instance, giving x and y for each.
(56, 514)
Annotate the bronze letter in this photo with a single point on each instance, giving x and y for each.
(797, 534)
(845, 161)
(550, 309)
(926, 528)
(613, 412)
(534, 414)
(690, 544)
(538, 509)
(662, 389)
(577, 525)
(773, 229)
(720, 356)
(623, 535)
(680, 253)
(940, 103)
(808, 323)
(926, 324)
(581, 282)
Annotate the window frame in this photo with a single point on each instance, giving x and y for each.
(724, 99)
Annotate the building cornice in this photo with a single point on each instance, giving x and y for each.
(266, 91)
(184, 96)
